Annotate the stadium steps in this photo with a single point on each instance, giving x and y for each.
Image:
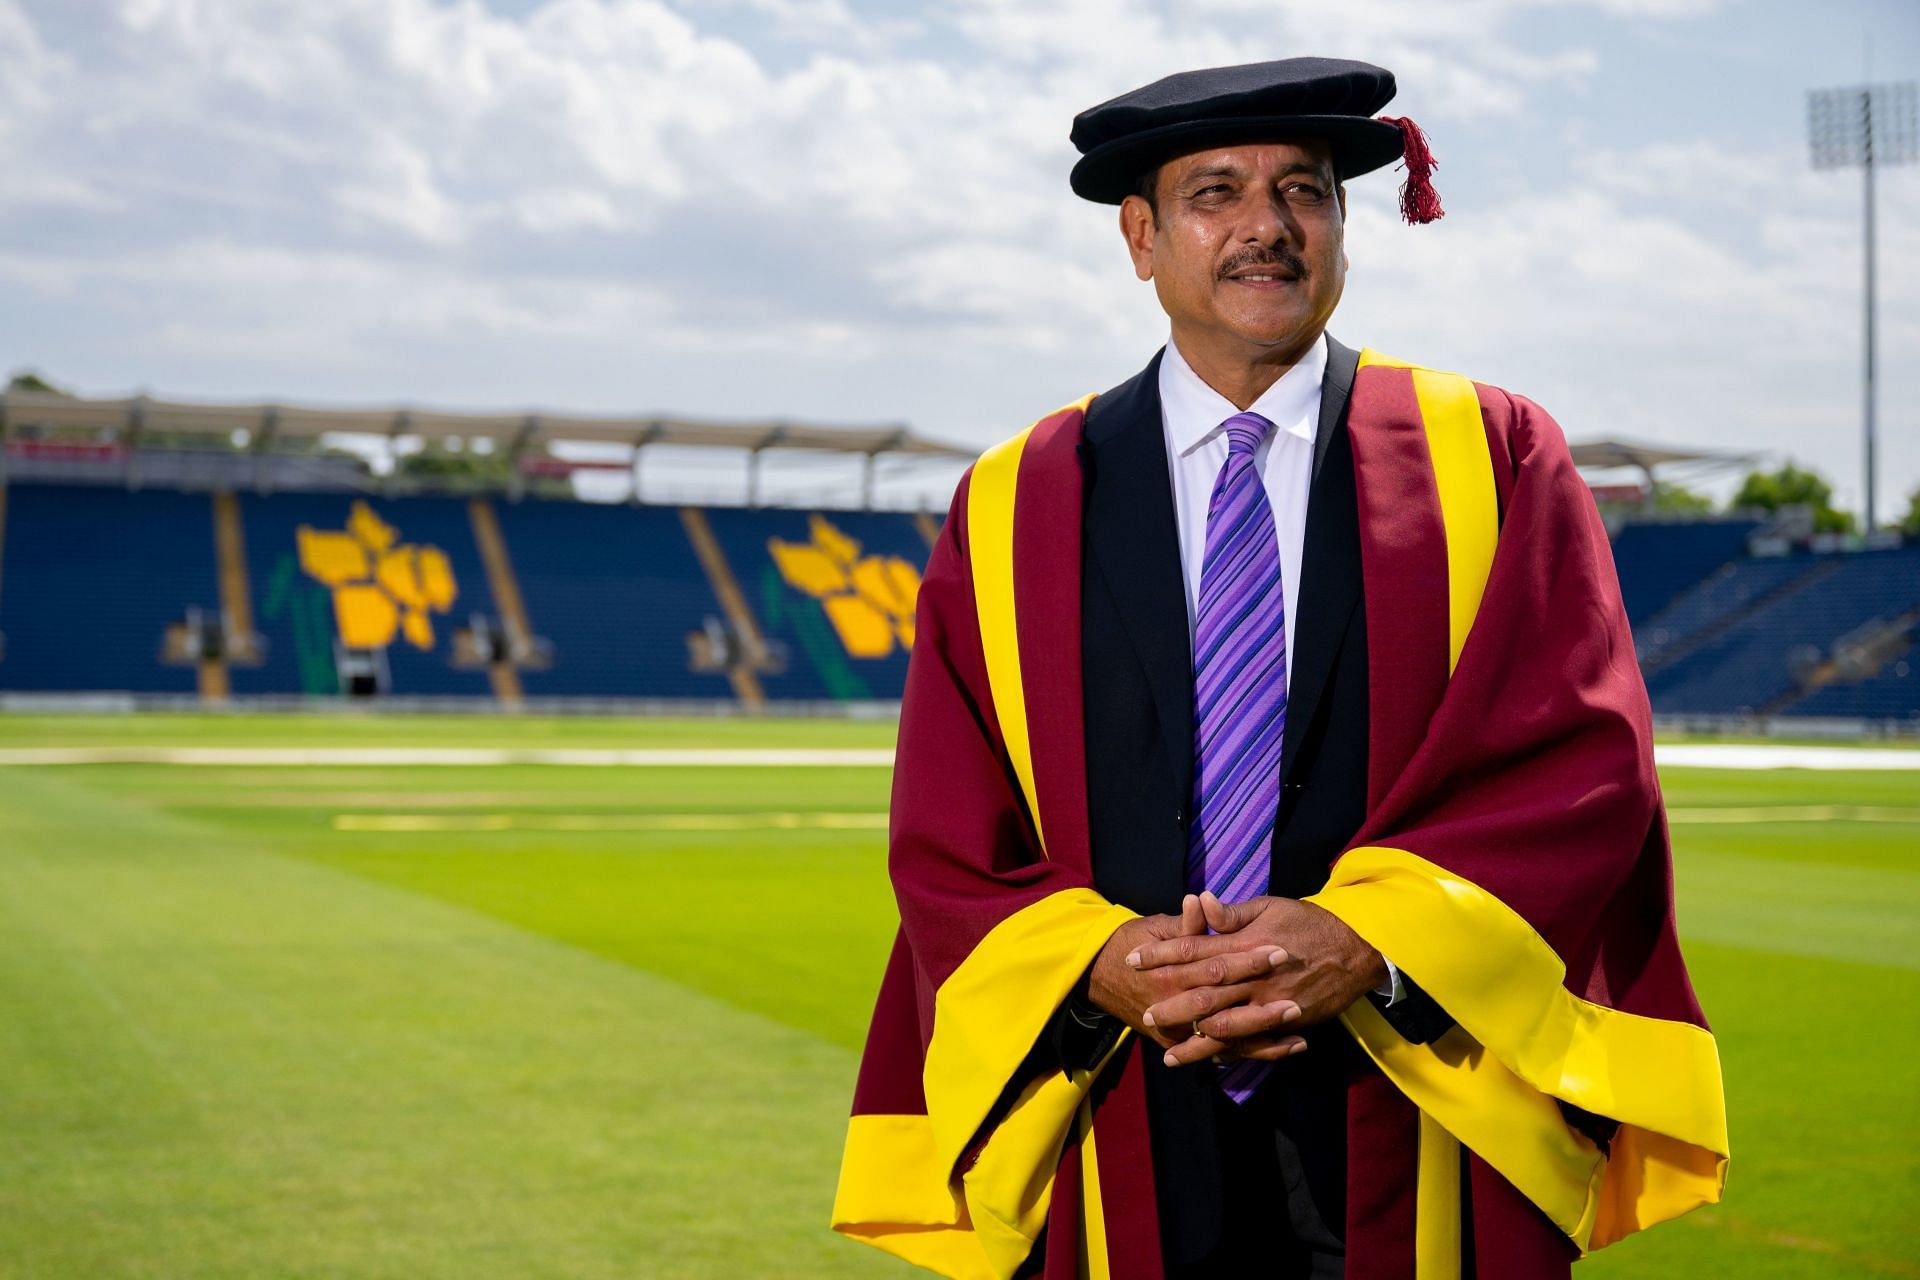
(1860, 654)
(503, 674)
(742, 673)
(1735, 593)
(1893, 694)
(1768, 654)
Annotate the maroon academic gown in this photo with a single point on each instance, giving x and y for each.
(1514, 862)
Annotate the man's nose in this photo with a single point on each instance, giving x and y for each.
(1268, 221)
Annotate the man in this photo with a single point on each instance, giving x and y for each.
(1284, 885)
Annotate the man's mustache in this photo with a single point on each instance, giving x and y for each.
(1285, 260)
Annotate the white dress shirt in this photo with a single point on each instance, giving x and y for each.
(1191, 413)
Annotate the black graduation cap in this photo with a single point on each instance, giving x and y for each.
(1331, 98)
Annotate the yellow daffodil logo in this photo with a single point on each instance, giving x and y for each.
(381, 586)
(869, 599)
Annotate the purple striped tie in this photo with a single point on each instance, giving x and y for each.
(1239, 694)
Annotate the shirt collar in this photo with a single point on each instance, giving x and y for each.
(1193, 410)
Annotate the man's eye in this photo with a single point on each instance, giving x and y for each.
(1204, 191)
(1306, 191)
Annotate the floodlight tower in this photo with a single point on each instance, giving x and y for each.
(1859, 128)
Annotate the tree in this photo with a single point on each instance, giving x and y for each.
(1631, 502)
(1671, 499)
(438, 461)
(1791, 486)
(1910, 523)
(28, 380)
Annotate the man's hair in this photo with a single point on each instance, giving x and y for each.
(1147, 187)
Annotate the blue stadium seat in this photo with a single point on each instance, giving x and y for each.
(91, 581)
(1752, 665)
(1893, 694)
(94, 575)
(1659, 559)
(615, 589)
(820, 663)
(1718, 600)
(296, 612)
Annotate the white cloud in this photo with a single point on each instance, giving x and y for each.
(400, 191)
(797, 202)
(1648, 8)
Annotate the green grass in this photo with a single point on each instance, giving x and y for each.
(236, 1040)
(245, 729)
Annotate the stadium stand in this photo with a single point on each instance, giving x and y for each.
(802, 574)
(1894, 694)
(93, 578)
(238, 550)
(1659, 559)
(1766, 636)
(376, 568)
(595, 600)
(1715, 604)
(310, 593)
(616, 589)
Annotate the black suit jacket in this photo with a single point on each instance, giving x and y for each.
(1137, 669)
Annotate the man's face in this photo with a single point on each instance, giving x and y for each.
(1248, 247)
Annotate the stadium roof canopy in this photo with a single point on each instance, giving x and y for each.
(1604, 454)
(134, 417)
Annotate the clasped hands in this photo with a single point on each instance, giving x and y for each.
(1269, 967)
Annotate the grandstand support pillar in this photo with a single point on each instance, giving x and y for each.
(516, 479)
(136, 424)
(733, 603)
(401, 421)
(262, 444)
(640, 442)
(897, 440)
(492, 545)
(774, 436)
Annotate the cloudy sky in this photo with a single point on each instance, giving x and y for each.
(843, 211)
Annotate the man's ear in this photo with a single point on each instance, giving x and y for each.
(1340, 195)
(1136, 228)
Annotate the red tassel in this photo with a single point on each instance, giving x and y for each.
(1419, 202)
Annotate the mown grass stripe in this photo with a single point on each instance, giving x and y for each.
(1732, 756)
(1794, 813)
(468, 757)
(609, 821)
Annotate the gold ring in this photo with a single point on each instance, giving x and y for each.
(1196, 1029)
